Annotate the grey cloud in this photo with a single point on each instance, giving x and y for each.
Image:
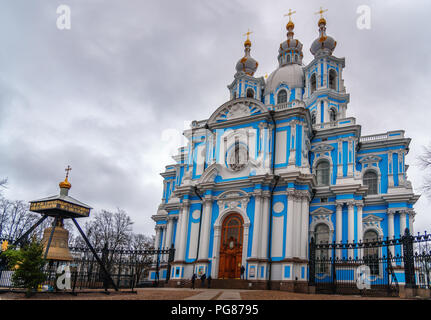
(99, 97)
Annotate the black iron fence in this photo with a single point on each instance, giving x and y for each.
(375, 267)
(127, 269)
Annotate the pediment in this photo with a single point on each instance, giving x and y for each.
(323, 147)
(322, 210)
(210, 173)
(370, 158)
(233, 194)
(371, 218)
(237, 108)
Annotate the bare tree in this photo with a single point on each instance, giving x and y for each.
(15, 219)
(107, 230)
(141, 262)
(425, 164)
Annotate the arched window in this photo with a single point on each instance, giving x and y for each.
(250, 93)
(332, 115)
(322, 172)
(282, 96)
(371, 251)
(288, 58)
(313, 118)
(332, 79)
(321, 234)
(313, 83)
(370, 180)
(234, 95)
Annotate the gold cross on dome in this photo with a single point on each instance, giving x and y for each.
(248, 34)
(290, 14)
(67, 171)
(321, 11)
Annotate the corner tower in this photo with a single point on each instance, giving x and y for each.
(325, 94)
(245, 85)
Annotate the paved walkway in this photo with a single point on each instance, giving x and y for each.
(222, 294)
(230, 295)
(205, 295)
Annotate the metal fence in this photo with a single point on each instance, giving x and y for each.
(127, 268)
(375, 267)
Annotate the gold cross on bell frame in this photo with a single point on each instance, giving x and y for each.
(248, 33)
(67, 171)
(321, 11)
(290, 14)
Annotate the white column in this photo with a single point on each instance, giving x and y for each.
(304, 227)
(216, 252)
(290, 227)
(178, 236)
(339, 226)
(205, 231)
(391, 230)
(157, 240)
(169, 232)
(163, 257)
(351, 226)
(340, 162)
(411, 221)
(350, 162)
(292, 137)
(183, 231)
(265, 227)
(391, 175)
(156, 243)
(403, 222)
(360, 228)
(297, 226)
(245, 243)
(256, 225)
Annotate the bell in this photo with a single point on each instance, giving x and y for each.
(59, 248)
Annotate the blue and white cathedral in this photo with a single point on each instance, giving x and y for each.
(277, 164)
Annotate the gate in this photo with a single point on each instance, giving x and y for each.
(371, 267)
(126, 267)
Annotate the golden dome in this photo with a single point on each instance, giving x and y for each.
(321, 20)
(289, 25)
(65, 184)
(247, 43)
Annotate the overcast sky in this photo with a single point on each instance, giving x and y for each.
(106, 95)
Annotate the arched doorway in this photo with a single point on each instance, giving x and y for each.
(231, 247)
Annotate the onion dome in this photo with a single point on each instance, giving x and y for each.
(247, 64)
(324, 45)
(66, 184)
(290, 51)
(290, 70)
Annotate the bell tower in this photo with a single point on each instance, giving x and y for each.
(245, 85)
(325, 94)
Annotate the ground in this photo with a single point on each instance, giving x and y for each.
(187, 294)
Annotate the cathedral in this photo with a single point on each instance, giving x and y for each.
(279, 163)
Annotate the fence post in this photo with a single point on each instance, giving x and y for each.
(171, 254)
(333, 268)
(409, 263)
(312, 263)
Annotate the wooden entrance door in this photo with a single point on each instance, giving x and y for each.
(231, 247)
